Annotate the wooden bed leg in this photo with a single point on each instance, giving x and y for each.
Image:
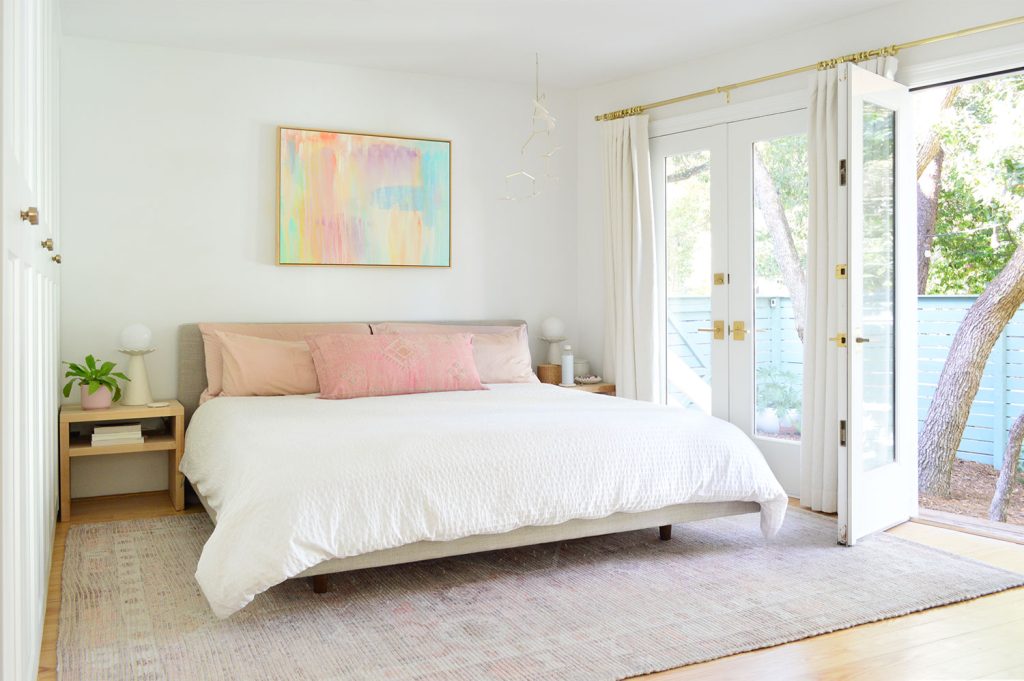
(319, 584)
(665, 532)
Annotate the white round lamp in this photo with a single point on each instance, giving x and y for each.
(136, 341)
(552, 330)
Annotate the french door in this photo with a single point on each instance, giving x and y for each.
(878, 404)
(731, 211)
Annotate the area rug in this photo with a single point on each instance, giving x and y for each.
(600, 608)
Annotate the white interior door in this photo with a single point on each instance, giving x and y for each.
(726, 198)
(28, 327)
(878, 459)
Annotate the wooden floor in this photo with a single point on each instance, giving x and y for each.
(979, 639)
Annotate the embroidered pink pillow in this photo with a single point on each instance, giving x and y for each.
(262, 366)
(370, 366)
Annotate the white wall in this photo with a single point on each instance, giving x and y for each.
(168, 181)
(893, 24)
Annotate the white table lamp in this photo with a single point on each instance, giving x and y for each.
(136, 340)
(552, 331)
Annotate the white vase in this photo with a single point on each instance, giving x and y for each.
(768, 422)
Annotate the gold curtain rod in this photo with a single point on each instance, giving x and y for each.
(889, 51)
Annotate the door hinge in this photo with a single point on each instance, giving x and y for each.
(842, 433)
(842, 172)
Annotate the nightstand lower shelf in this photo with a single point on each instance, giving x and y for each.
(170, 440)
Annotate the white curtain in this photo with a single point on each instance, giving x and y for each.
(819, 457)
(631, 350)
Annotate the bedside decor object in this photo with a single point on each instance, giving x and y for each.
(350, 199)
(549, 373)
(169, 437)
(552, 330)
(581, 367)
(588, 380)
(135, 342)
(98, 381)
(567, 367)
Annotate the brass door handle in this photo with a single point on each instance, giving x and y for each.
(739, 331)
(717, 330)
(30, 215)
(47, 244)
(56, 258)
(840, 339)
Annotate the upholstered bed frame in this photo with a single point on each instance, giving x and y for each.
(192, 382)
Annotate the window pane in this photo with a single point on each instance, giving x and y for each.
(688, 274)
(878, 378)
(780, 263)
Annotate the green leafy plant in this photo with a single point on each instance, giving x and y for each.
(777, 388)
(95, 374)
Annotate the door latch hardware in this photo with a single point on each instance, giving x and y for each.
(717, 329)
(739, 331)
(842, 433)
(842, 172)
(719, 278)
(840, 339)
(841, 271)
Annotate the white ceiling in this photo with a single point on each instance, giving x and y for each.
(581, 42)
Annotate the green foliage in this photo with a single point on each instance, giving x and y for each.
(688, 223)
(95, 374)
(778, 388)
(981, 196)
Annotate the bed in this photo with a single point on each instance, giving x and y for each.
(302, 487)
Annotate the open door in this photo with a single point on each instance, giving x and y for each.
(878, 403)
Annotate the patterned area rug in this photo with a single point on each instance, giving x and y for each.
(600, 608)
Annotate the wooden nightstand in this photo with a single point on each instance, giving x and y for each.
(171, 440)
(599, 388)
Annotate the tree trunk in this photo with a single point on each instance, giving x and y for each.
(929, 160)
(687, 173)
(1008, 473)
(958, 383)
(783, 245)
(928, 186)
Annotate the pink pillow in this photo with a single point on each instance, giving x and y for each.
(502, 353)
(293, 332)
(366, 366)
(261, 366)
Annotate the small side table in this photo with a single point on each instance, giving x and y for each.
(172, 441)
(599, 388)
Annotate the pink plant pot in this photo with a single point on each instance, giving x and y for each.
(101, 399)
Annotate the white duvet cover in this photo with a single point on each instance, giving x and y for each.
(295, 481)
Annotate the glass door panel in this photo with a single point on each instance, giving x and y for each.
(688, 279)
(780, 265)
(878, 351)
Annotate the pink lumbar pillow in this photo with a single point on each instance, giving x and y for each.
(261, 366)
(288, 332)
(370, 366)
(502, 353)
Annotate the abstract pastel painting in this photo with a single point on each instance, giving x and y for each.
(352, 199)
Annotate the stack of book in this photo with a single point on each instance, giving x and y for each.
(122, 434)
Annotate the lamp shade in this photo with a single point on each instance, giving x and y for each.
(136, 337)
(552, 327)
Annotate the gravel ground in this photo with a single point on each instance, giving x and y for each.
(973, 487)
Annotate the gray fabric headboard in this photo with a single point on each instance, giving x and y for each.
(192, 359)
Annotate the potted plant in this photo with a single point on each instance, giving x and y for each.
(99, 383)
